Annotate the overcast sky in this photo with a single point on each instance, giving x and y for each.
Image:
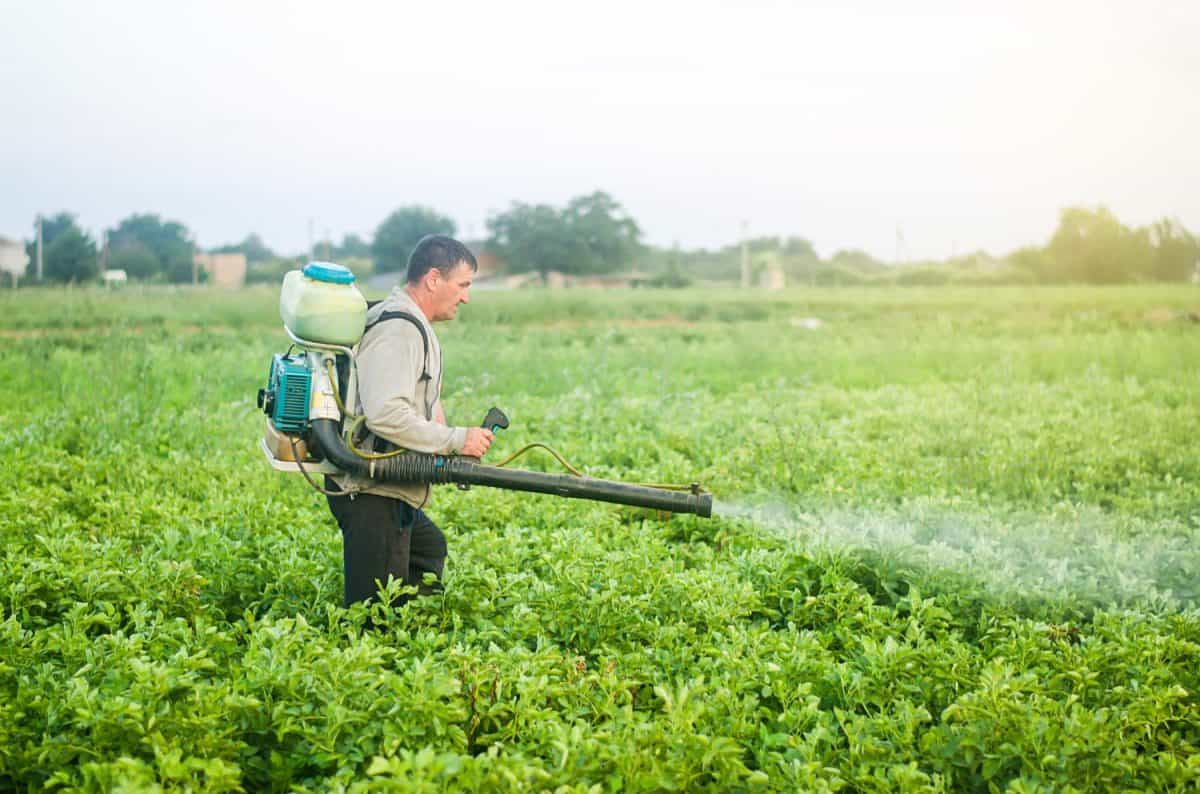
(839, 122)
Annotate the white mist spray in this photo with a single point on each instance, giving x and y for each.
(1072, 552)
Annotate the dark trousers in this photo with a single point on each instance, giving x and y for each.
(384, 537)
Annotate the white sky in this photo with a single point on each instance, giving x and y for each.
(967, 128)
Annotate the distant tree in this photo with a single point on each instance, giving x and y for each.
(971, 261)
(533, 237)
(398, 235)
(674, 276)
(592, 234)
(136, 259)
(71, 257)
(68, 253)
(52, 228)
(756, 244)
(182, 271)
(152, 248)
(354, 247)
(1091, 245)
(607, 238)
(799, 260)
(796, 247)
(856, 260)
(1033, 260)
(1175, 251)
(253, 247)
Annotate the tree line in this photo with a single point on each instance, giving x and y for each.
(593, 234)
(1089, 246)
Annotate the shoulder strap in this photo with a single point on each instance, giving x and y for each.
(402, 315)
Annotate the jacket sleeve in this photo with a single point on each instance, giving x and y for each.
(389, 370)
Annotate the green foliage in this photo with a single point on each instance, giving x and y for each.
(607, 237)
(169, 606)
(1088, 246)
(70, 258)
(253, 247)
(271, 271)
(834, 276)
(399, 233)
(921, 277)
(1176, 254)
(353, 247)
(1032, 260)
(673, 277)
(138, 261)
(1092, 246)
(52, 227)
(853, 259)
(150, 248)
(592, 234)
(68, 253)
(532, 238)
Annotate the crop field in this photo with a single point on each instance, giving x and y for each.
(957, 548)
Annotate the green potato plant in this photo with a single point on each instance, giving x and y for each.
(955, 550)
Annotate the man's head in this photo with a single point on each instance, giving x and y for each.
(440, 270)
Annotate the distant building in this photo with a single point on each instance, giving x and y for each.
(224, 270)
(13, 259)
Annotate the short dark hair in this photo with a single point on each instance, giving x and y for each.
(437, 251)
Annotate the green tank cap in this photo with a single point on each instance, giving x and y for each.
(328, 272)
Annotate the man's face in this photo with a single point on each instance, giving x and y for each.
(449, 290)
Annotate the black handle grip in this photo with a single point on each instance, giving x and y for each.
(495, 420)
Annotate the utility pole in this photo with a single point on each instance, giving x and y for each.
(745, 257)
(39, 249)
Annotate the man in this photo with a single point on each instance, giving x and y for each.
(385, 532)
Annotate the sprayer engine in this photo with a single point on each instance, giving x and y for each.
(309, 430)
(285, 400)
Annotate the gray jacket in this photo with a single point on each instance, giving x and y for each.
(398, 405)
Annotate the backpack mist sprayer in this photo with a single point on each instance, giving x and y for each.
(309, 429)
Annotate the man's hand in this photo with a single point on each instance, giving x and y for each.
(478, 441)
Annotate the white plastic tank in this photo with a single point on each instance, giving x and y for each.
(321, 304)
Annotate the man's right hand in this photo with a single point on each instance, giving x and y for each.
(478, 441)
